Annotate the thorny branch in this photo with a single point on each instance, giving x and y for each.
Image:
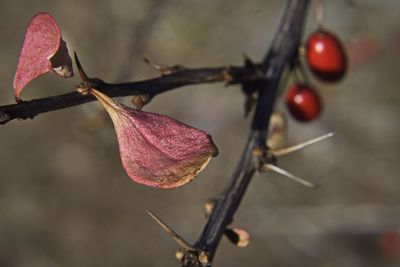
(282, 51)
(262, 79)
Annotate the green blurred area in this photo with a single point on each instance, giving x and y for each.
(65, 199)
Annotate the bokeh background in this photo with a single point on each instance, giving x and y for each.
(65, 199)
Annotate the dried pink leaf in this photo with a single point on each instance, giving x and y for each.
(43, 51)
(157, 150)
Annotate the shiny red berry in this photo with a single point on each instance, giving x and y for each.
(326, 56)
(303, 102)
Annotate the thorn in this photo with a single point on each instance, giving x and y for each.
(291, 149)
(82, 73)
(290, 176)
(164, 70)
(237, 236)
(181, 242)
(153, 64)
(87, 83)
(248, 62)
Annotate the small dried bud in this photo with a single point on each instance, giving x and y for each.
(140, 100)
(179, 254)
(277, 130)
(239, 237)
(157, 150)
(204, 259)
(209, 206)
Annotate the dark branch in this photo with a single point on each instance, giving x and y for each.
(151, 87)
(282, 51)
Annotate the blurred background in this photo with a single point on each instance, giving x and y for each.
(65, 199)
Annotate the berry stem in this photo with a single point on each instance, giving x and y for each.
(319, 14)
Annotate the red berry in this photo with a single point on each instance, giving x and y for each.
(389, 244)
(326, 56)
(303, 102)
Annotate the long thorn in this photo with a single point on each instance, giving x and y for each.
(82, 73)
(172, 233)
(291, 149)
(152, 64)
(290, 176)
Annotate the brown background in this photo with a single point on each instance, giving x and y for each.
(66, 201)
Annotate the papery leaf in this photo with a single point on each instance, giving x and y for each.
(43, 50)
(157, 150)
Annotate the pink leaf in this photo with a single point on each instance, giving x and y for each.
(157, 150)
(43, 51)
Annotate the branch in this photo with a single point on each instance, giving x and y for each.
(282, 51)
(177, 77)
(262, 78)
